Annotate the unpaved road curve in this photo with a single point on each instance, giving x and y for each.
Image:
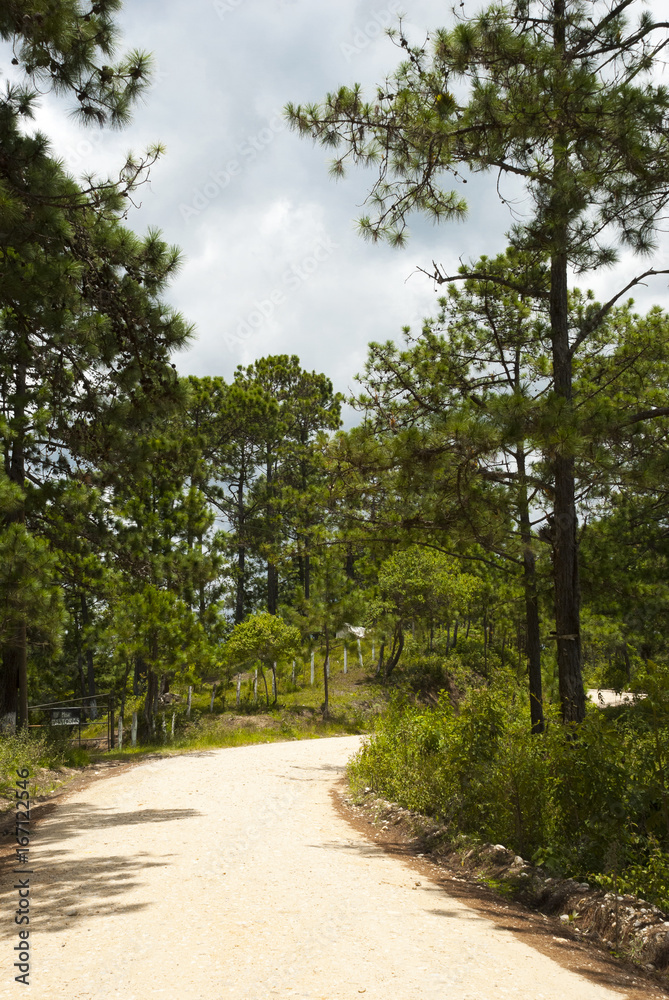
(229, 874)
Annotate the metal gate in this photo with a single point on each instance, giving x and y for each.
(69, 713)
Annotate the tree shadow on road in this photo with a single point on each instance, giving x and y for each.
(69, 886)
(69, 891)
(73, 820)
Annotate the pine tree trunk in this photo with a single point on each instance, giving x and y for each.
(272, 588)
(326, 670)
(80, 666)
(533, 636)
(14, 689)
(92, 704)
(150, 697)
(125, 687)
(272, 573)
(264, 680)
(21, 652)
(396, 651)
(239, 599)
(9, 691)
(565, 545)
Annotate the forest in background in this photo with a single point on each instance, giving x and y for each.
(497, 517)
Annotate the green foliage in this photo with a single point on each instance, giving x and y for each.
(262, 637)
(648, 877)
(85, 340)
(66, 45)
(48, 750)
(418, 584)
(530, 81)
(28, 572)
(557, 798)
(157, 627)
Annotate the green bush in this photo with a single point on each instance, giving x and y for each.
(592, 801)
(49, 748)
(648, 877)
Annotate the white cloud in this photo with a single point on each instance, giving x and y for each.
(260, 197)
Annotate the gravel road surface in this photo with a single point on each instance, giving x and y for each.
(229, 874)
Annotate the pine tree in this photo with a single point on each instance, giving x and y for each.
(86, 340)
(559, 95)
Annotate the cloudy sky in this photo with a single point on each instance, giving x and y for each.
(273, 263)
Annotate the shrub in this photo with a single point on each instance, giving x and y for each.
(50, 748)
(584, 802)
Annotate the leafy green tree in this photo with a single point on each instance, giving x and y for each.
(472, 383)
(288, 468)
(334, 600)
(463, 421)
(62, 46)
(560, 96)
(164, 539)
(418, 585)
(28, 587)
(86, 340)
(263, 638)
(152, 626)
(226, 425)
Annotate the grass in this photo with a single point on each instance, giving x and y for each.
(50, 759)
(356, 700)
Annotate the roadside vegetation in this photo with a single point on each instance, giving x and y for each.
(591, 805)
(490, 538)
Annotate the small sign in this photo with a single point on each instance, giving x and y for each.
(65, 716)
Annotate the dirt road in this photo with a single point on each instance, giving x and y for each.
(229, 874)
